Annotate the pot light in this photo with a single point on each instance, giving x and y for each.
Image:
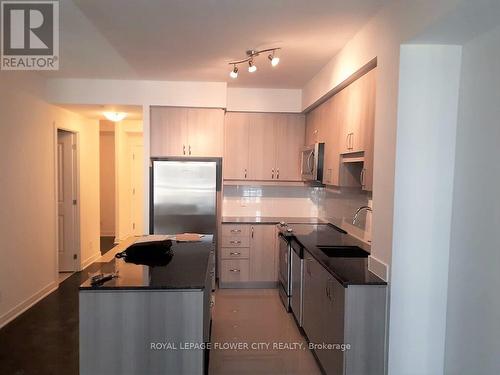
(251, 67)
(234, 72)
(115, 116)
(275, 60)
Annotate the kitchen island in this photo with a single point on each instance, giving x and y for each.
(149, 320)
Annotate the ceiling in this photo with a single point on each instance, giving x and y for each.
(193, 40)
(95, 112)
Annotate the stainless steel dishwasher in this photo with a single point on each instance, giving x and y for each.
(297, 275)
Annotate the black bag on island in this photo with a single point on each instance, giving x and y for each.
(152, 253)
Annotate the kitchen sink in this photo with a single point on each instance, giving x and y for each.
(344, 251)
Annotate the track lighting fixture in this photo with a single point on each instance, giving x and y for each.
(251, 54)
(234, 72)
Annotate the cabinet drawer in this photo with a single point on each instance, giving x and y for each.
(235, 230)
(234, 270)
(235, 253)
(235, 241)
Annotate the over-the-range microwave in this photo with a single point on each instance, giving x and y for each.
(312, 163)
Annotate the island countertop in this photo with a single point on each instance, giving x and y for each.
(186, 270)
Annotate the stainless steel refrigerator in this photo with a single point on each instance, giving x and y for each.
(184, 195)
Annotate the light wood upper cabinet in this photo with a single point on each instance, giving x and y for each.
(332, 137)
(289, 135)
(368, 121)
(168, 131)
(345, 123)
(178, 131)
(205, 131)
(236, 147)
(263, 146)
(263, 266)
(357, 102)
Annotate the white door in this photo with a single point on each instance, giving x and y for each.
(137, 187)
(66, 199)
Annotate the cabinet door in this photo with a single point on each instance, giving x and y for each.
(314, 303)
(356, 107)
(168, 131)
(368, 127)
(333, 360)
(262, 146)
(290, 134)
(311, 127)
(205, 131)
(343, 116)
(236, 138)
(332, 151)
(315, 126)
(263, 253)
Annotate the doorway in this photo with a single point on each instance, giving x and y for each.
(107, 185)
(136, 183)
(67, 203)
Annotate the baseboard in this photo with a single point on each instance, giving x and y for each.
(248, 285)
(378, 267)
(26, 304)
(91, 259)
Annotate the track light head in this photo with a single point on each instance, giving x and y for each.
(234, 72)
(251, 67)
(275, 60)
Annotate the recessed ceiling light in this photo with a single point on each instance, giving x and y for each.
(115, 116)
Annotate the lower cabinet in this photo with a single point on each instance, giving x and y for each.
(336, 315)
(248, 256)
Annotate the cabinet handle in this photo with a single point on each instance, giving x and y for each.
(235, 230)
(235, 253)
(351, 141)
(245, 173)
(234, 270)
(235, 242)
(278, 174)
(252, 232)
(347, 140)
(189, 149)
(362, 177)
(272, 174)
(184, 149)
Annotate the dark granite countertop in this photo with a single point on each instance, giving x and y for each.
(187, 270)
(348, 271)
(270, 220)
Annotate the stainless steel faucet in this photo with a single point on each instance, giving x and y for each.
(358, 211)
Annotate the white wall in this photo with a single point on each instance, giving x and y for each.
(473, 327)
(264, 100)
(425, 155)
(27, 190)
(169, 93)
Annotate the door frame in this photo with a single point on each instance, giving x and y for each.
(78, 262)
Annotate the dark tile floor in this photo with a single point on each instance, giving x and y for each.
(107, 243)
(44, 339)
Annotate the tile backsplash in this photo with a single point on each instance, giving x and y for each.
(333, 204)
